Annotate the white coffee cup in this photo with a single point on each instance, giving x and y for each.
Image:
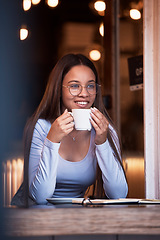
(82, 119)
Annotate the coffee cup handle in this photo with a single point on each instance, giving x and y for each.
(71, 113)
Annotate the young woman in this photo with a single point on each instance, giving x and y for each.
(64, 162)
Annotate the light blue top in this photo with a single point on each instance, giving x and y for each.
(52, 176)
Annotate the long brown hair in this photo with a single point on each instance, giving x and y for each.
(50, 108)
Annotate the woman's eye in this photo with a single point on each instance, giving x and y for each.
(91, 86)
(74, 86)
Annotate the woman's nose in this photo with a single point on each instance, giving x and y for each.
(84, 91)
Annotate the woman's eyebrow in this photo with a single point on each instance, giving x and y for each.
(91, 81)
(73, 81)
(79, 81)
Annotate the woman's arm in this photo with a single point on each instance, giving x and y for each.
(43, 159)
(114, 181)
(43, 163)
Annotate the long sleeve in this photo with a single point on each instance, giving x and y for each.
(43, 163)
(114, 181)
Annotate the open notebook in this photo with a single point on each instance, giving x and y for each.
(88, 201)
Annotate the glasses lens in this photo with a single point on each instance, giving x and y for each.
(75, 89)
(92, 88)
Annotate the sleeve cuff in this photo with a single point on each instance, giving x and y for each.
(50, 144)
(103, 146)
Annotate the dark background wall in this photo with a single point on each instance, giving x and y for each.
(24, 69)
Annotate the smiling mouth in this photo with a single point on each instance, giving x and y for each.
(82, 103)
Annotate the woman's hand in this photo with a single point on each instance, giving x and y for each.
(61, 127)
(100, 124)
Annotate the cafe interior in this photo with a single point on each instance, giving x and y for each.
(36, 33)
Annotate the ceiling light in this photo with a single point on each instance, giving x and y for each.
(95, 55)
(23, 33)
(52, 3)
(100, 6)
(101, 29)
(135, 14)
(34, 2)
(26, 5)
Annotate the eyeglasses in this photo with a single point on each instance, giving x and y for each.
(75, 89)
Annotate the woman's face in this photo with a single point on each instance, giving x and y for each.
(84, 76)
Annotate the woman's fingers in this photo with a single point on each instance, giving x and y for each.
(99, 119)
(61, 127)
(100, 124)
(65, 119)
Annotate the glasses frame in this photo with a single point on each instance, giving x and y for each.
(82, 86)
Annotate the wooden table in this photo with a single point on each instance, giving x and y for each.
(51, 221)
